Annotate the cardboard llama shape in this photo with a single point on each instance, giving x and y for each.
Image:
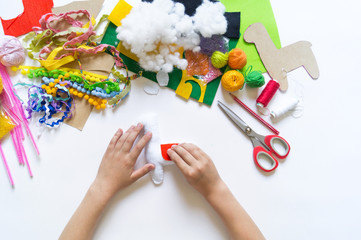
(279, 62)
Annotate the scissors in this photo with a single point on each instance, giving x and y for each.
(263, 146)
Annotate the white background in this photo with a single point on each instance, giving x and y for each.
(314, 193)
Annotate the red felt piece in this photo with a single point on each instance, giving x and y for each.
(24, 23)
(164, 148)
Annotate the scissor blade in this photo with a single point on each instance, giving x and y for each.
(237, 120)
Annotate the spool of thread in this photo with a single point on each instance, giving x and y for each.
(219, 59)
(254, 79)
(232, 80)
(237, 58)
(12, 52)
(285, 107)
(267, 94)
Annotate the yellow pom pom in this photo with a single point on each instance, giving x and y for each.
(97, 107)
(91, 101)
(103, 106)
(51, 84)
(232, 80)
(56, 81)
(80, 95)
(86, 97)
(219, 59)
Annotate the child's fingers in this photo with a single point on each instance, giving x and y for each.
(122, 139)
(142, 171)
(194, 150)
(182, 165)
(184, 154)
(128, 143)
(137, 149)
(115, 139)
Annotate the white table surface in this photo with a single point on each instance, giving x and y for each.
(314, 194)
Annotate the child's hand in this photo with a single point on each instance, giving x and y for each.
(116, 170)
(197, 167)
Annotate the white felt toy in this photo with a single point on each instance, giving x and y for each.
(153, 153)
(156, 31)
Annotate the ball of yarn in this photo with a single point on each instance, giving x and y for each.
(12, 52)
(232, 80)
(255, 79)
(219, 59)
(237, 58)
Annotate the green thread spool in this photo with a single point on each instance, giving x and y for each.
(254, 79)
(219, 59)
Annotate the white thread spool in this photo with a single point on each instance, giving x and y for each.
(287, 106)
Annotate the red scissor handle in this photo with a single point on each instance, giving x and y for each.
(261, 153)
(282, 149)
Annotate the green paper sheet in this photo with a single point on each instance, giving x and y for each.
(110, 37)
(253, 11)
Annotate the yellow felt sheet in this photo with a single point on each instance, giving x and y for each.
(121, 10)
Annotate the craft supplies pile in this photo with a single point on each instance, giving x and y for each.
(76, 64)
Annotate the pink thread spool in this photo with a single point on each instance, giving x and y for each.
(267, 94)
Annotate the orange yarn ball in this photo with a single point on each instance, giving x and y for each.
(237, 58)
(232, 80)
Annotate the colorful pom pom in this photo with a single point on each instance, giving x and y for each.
(232, 80)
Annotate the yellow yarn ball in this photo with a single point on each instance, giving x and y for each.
(232, 80)
(219, 59)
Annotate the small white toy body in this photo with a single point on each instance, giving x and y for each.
(153, 152)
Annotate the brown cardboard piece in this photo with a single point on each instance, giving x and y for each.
(92, 6)
(100, 63)
(279, 62)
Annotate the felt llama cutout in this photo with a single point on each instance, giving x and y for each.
(279, 62)
(155, 152)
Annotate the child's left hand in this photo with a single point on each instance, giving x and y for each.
(116, 170)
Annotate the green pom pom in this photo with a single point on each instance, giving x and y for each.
(219, 59)
(255, 79)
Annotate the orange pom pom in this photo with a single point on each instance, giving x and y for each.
(232, 80)
(237, 58)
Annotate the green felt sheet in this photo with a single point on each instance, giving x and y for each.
(253, 11)
(110, 37)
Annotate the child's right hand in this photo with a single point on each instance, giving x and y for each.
(197, 167)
